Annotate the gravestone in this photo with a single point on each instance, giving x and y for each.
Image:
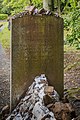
(37, 47)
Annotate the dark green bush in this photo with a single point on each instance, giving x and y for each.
(3, 16)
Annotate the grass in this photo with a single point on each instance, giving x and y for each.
(68, 48)
(5, 36)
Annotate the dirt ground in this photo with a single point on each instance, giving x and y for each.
(71, 70)
(4, 77)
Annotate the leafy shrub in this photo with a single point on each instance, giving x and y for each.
(72, 25)
(3, 16)
(37, 3)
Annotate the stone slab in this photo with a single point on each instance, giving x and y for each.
(37, 48)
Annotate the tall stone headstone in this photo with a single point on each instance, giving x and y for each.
(37, 47)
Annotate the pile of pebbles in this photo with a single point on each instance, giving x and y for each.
(32, 106)
(32, 10)
(41, 102)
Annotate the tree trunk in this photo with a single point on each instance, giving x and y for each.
(30, 2)
(59, 7)
(48, 5)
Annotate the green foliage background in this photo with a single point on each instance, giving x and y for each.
(71, 18)
(3, 16)
(70, 14)
(14, 6)
(5, 36)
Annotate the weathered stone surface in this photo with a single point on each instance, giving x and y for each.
(37, 47)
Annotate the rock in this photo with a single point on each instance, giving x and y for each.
(18, 117)
(42, 11)
(57, 14)
(34, 105)
(35, 11)
(26, 98)
(55, 95)
(38, 101)
(77, 118)
(49, 105)
(65, 116)
(48, 100)
(48, 12)
(11, 117)
(62, 111)
(41, 112)
(31, 9)
(69, 106)
(76, 104)
(48, 89)
(26, 116)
